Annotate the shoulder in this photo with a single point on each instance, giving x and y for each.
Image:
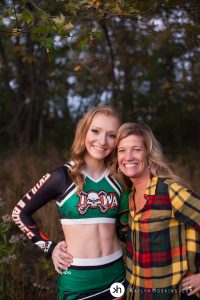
(60, 180)
(61, 174)
(173, 184)
(63, 171)
(177, 189)
(163, 185)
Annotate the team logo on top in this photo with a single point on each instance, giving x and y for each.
(101, 200)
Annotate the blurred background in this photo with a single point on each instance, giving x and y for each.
(60, 58)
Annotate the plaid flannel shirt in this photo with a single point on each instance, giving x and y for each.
(163, 242)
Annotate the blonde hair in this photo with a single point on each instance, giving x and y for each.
(78, 146)
(157, 162)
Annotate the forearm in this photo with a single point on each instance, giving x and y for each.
(46, 189)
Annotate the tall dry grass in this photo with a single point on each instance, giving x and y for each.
(188, 168)
(19, 173)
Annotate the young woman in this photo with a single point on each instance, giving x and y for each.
(163, 245)
(88, 200)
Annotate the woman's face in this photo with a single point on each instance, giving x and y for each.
(100, 138)
(132, 157)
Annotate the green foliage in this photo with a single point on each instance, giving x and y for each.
(10, 245)
(27, 17)
(6, 250)
(83, 43)
(19, 277)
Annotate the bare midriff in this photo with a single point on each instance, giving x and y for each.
(91, 240)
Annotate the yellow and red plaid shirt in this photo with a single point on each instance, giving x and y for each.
(163, 242)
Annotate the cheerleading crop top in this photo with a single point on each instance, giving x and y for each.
(100, 201)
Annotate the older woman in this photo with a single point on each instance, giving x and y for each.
(163, 245)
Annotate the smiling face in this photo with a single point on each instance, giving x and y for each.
(100, 137)
(132, 157)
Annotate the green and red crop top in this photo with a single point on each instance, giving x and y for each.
(100, 201)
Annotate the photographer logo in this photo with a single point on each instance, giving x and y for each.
(117, 289)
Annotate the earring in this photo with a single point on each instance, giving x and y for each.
(118, 170)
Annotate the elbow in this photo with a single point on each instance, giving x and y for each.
(17, 217)
(16, 214)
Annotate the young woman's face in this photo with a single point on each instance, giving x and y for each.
(132, 157)
(101, 135)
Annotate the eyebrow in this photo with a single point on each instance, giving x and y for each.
(124, 147)
(110, 131)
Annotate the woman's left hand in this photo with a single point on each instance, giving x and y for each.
(191, 284)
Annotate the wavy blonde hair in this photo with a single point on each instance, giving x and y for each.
(157, 162)
(78, 146)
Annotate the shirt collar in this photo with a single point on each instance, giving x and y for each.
(151, 186)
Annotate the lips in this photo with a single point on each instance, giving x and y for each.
(99, 148)
(130, 165)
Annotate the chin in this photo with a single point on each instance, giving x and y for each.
(132, 176)
(128, 174)
(99, 157)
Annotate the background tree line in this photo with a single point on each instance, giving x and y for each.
(59, 59)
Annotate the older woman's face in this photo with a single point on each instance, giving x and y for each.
(132, 157)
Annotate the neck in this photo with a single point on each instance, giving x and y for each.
(94, 167)
(140, 183)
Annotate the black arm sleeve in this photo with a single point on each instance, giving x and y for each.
(49, 187)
